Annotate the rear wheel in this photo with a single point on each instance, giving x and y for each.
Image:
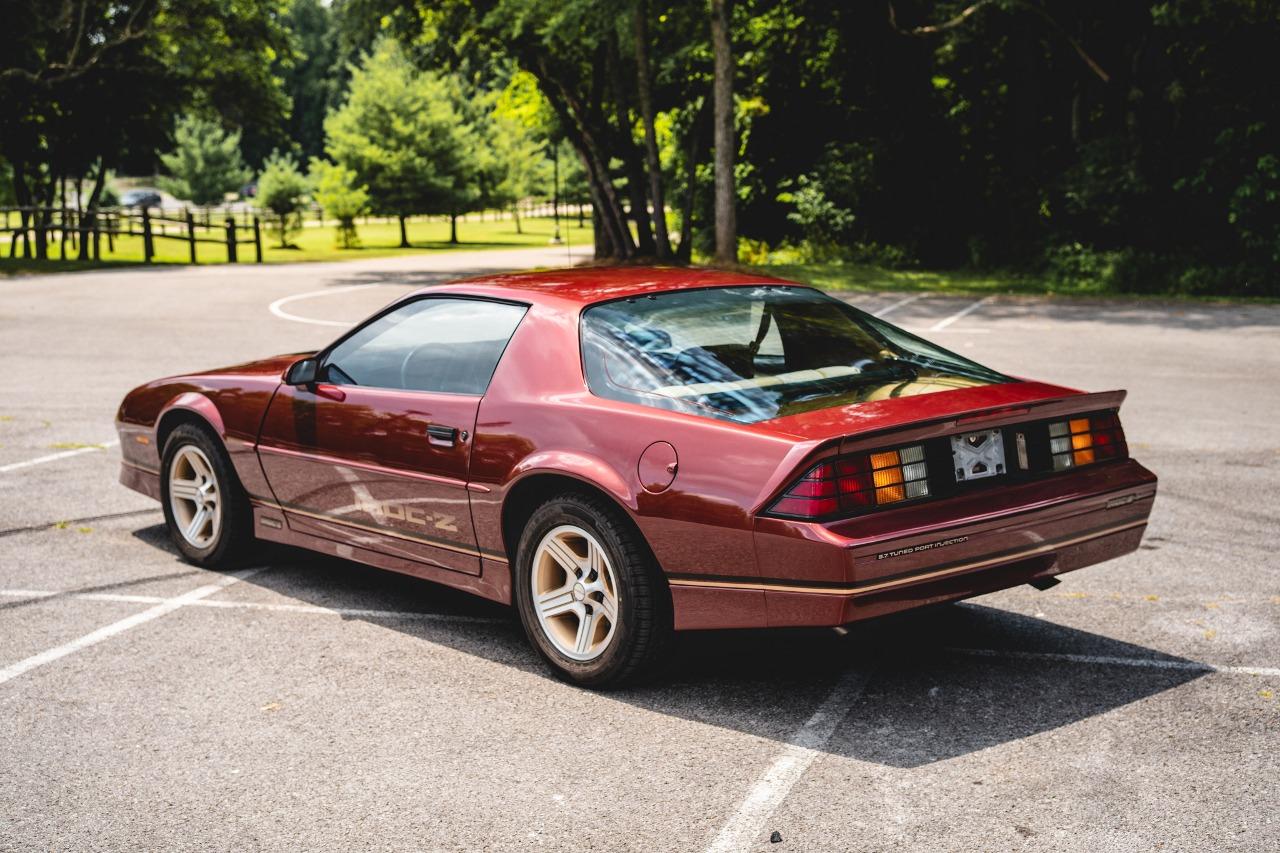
(205, 508)
(590, 594)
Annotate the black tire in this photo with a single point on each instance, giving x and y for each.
(644, 628)
(234, 539)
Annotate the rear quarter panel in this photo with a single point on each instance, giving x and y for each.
(538, 417)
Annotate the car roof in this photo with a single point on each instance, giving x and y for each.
(586, 285)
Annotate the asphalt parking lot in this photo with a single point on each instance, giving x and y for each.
(310, 703)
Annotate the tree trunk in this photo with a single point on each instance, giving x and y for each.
(645, 85)
(604, 196)
(453, 227)
(404, 233)
(726, 211)
(604, 240)
(625, 148)
(43, 201)
(515, 213)
(89, 221)
(23, 197)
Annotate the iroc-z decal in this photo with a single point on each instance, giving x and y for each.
(384, 511)
(928, 546)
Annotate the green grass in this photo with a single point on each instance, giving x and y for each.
(854, 277)
(868, 277)
(318, 243)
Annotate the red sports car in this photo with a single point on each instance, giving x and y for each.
(624, 453)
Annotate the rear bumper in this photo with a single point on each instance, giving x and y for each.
(827, 575)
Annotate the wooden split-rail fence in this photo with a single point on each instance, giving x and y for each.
(69, 227)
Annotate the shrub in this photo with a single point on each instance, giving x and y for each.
(1079, 267)
(282, 189)
(205, 162)
(338, 194)
(753, 253)
(823, 223)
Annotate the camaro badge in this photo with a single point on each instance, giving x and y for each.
(928, 546)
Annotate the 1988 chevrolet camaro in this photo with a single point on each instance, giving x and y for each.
(624, 453)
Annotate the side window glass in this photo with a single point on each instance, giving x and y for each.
(443, 345)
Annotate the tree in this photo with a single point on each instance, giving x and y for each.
(652, 161)
(725, 142)
(517, 133)
(205, 162)
(88, 86)
(282, 189)
(403, 135)
(341, 196)
(575, 51)
(313, 79)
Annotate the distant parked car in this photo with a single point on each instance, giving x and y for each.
(249, 190)
(140, 198)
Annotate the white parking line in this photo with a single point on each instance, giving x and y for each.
(54, 457)
(1110, 660)
(94, 637)
(748, 821)
(895, 306)
(277, 307)
(346, 612)
(373, 613)
(964, 312)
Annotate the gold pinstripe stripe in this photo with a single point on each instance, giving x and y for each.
(381, 531)
(910, 579)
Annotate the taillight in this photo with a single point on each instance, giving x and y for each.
(859, 482)
(1081, 441)
(863, 482)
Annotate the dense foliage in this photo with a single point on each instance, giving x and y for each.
(1132, 146)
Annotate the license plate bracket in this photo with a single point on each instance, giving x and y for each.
(978, 455)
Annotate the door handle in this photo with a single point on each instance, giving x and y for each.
(441, 434)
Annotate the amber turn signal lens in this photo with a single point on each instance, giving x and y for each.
(887, 459)
(858, 482)
(1080, 441)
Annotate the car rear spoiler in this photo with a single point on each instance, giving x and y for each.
(987, 418)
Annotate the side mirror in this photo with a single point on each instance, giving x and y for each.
(301, 372)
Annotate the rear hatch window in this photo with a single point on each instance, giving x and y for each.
(753, 353)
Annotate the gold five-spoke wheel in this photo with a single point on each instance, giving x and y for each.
(575, 592)
(194, 497)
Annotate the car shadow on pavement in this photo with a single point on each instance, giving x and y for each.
(940, 682)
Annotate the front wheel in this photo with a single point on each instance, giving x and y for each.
(205, 508)
(590, 594)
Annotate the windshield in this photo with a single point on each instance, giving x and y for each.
(749, 354)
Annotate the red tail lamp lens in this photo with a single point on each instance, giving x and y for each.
(858, 482)
(1081, 441)
(813, 495)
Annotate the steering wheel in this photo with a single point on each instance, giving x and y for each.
(404, 365)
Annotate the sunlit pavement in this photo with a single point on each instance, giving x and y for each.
(318, 704)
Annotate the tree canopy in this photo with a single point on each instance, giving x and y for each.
(1132, 142)
(403, 135)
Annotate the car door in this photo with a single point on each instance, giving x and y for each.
(375, 452)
